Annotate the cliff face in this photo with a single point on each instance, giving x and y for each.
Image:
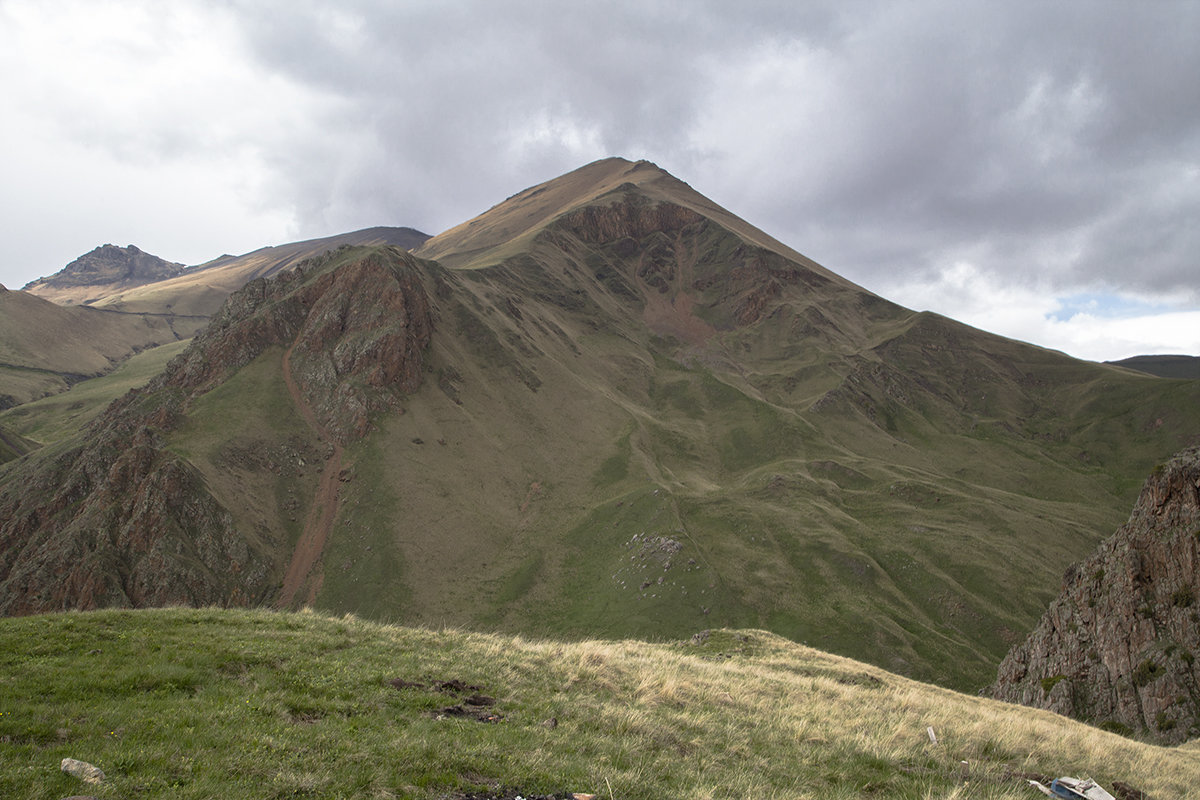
(1118, 647)
(120, 520)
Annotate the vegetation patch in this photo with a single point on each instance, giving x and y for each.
(1050, 682)
(1147, 671)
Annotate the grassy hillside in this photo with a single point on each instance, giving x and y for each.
(60, 416)
(209, 703)
(12, 445)
(45, 348)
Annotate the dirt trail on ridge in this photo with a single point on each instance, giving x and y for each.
(305, 568)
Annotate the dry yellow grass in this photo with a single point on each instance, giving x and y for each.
(254, 704)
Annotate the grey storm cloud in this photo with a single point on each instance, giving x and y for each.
(1061, 138)
(1047, 143)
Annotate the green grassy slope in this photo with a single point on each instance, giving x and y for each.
(61, 416)
(237, 704)
(12, 445)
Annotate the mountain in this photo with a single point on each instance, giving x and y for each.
(604, 407)
(1164, 366)
(202, 289)
(104, 270)
(45, 348)
(1117, 647)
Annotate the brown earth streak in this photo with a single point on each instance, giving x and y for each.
(319, 521)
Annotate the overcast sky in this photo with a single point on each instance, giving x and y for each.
(1031, 168)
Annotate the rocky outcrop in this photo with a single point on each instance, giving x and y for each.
(109, 264)
(1118, 647)
(121, 520)
(632, 216)
(357, 333)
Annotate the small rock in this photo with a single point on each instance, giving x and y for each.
(1124, 791)
(82, 770)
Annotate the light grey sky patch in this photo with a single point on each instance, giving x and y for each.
(948, 155)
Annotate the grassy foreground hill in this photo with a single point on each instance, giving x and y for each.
(187, 703)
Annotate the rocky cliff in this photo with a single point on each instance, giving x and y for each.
(122, 520)
(1118, 646)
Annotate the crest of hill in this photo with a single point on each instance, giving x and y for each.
(726, 713)
(507, 228)
(200, 290)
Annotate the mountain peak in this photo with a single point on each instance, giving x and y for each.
(530, 210)
(108, 265)
(508, 227)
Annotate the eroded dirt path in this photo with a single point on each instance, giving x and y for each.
(304, 569)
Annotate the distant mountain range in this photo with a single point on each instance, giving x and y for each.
(1164, 366)
(606, 406)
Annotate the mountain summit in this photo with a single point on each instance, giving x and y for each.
(105, 269)
(605, 406)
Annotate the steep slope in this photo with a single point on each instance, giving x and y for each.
(103, 271)
(508, 227)
(641, 416)
(13, 445)
(44, 347)
(1117, 646)
(120, 519)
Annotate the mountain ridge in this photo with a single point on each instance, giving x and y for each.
(637, 399)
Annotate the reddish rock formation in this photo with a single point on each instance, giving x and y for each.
(1118, 647)
(122, 521)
